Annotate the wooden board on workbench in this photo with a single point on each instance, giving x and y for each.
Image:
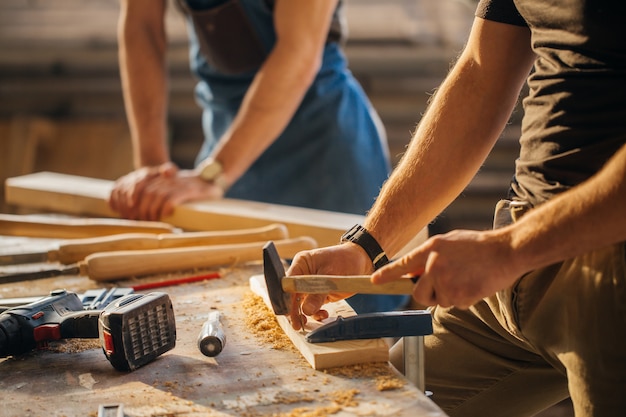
(87, 196)
(327, 355)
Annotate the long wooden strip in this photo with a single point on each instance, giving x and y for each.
(87, 196)
(327, 355)
(62, 228)
(74, 250)
(77, 195)
(107, 266)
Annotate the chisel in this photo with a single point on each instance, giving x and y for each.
(74, 250)
(107, 266)
(70, 228)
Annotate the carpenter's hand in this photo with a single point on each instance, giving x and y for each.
(456, 269)
(344, 259)
(152, 193)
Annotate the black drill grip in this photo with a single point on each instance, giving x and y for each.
(9, 332)
(83, 324)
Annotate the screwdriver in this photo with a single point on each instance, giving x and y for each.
(212, 339)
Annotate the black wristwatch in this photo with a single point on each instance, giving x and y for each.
(357, 234)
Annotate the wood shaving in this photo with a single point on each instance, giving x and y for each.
(74, 345)
(361, 370)
(384, 379)
(388, 383)
(340, 399)
(262, 323)
(293, 397)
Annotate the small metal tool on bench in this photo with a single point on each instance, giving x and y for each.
(111, 410)
(412, 326)
(212, 338)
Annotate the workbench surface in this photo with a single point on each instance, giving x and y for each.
(248, 378)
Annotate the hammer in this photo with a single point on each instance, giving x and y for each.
(280, 288)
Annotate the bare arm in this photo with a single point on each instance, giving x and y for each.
(584, 218)
(280, 84)
(464, 266)
(268, 106)
(460, 127)
(142, 49)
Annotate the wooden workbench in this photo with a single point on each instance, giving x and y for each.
(249, 377)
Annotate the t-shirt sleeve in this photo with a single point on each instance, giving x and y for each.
(502, 11)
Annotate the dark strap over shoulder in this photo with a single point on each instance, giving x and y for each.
(338, 26)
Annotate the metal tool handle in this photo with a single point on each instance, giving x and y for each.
(212, 339)
(78, 249)
(121, 264)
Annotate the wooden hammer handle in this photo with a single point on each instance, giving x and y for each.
(359, 284)
(107, 266)
(76, 250)
(64, 228)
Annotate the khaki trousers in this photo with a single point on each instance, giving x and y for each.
(558, 332)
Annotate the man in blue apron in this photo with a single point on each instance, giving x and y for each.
(285, 122)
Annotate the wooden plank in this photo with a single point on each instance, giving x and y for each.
(87, 196)
(77, 195)
(327, 355)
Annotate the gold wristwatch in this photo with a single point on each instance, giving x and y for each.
(213, 171)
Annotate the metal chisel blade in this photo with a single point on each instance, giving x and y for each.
(23, 258)
(33, 275)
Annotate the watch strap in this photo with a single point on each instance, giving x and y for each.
(213, 172)
(359, 235)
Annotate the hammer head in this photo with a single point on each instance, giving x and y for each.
(274, 273)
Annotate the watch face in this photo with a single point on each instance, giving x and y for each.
(211, 171)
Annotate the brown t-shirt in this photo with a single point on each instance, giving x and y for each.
(575, 113)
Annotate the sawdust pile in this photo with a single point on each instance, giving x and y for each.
(385, 380)
(361, 370)
(262, 323)
(388, 383)
(340, 399)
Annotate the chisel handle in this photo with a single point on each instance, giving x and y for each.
(64, 228)
(78, 249)
(359, 284)
(107, 266)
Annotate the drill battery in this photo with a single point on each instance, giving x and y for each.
(136, 329)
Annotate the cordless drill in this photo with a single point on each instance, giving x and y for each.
(133, 330)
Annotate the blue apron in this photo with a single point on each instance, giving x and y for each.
(333, 155)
